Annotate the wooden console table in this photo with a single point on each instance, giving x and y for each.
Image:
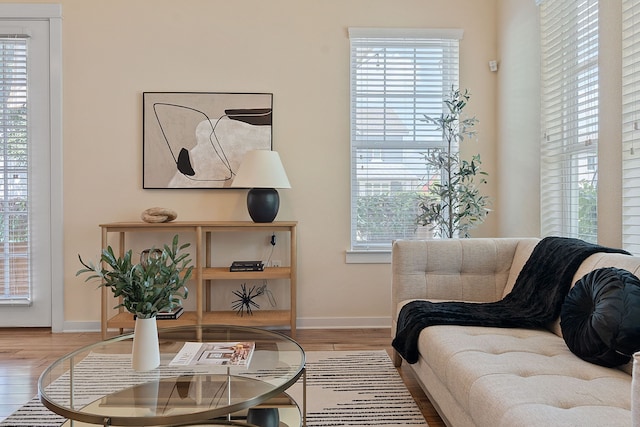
(204, 273)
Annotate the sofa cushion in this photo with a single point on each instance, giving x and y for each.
(455, 269)
(502, 376)
(600, 317)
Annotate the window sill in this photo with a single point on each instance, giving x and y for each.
(368, 257)
(9, 302)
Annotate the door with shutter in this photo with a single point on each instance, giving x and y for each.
(25, 174)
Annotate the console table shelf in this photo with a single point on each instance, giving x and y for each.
(219, 273)
(205, 275)
(125, 320)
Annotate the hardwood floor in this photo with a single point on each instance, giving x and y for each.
(26, 352)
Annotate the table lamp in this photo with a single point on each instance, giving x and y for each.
(262, 172)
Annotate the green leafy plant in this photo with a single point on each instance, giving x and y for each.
(393, 213)
(453, 205)
(155, 284)
(587, 211)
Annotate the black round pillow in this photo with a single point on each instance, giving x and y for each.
(600, 317)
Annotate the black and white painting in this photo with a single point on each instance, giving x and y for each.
(198, 139)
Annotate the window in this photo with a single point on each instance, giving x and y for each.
(397, 77)
(14, 206)
(569, 146)
(631, 126)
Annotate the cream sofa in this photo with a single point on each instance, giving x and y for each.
(485, 376)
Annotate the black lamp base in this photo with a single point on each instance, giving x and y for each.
(263, 204)
(264, 417)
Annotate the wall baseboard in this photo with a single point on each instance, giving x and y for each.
(303, 323)
(343, 322)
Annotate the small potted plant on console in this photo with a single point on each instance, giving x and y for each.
(155, 284)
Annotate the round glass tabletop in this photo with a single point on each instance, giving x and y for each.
(196, 380)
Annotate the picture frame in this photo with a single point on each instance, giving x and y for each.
(198, 139)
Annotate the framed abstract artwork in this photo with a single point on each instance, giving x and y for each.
(198, 139)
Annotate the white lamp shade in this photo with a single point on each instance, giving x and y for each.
(261, 169)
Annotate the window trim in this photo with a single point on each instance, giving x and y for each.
(358, 256)
(427, 33)
(377, 252)
(570, 133)
(630, 126)
(53, 14)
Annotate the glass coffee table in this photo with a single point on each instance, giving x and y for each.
(96, 384)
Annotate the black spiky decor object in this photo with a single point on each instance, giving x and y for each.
(245, 301)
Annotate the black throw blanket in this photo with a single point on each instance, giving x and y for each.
(536, 298)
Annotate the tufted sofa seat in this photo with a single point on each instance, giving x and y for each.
(482, 376)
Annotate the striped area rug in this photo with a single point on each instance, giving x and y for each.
(344, 388)
(357, 389)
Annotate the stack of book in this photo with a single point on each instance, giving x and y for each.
(167, 315)
(247, 266)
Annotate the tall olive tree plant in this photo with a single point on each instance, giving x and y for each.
(453, 205)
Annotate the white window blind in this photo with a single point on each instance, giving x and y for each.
(14, 215)
(569, 153)
(397, 77)
(631, 126)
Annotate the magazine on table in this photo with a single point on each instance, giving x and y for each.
(233, 353)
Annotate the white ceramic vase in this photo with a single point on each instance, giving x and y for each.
(146, 350)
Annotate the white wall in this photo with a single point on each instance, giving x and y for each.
(610, 128)
(297, 49)
(518, 206)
